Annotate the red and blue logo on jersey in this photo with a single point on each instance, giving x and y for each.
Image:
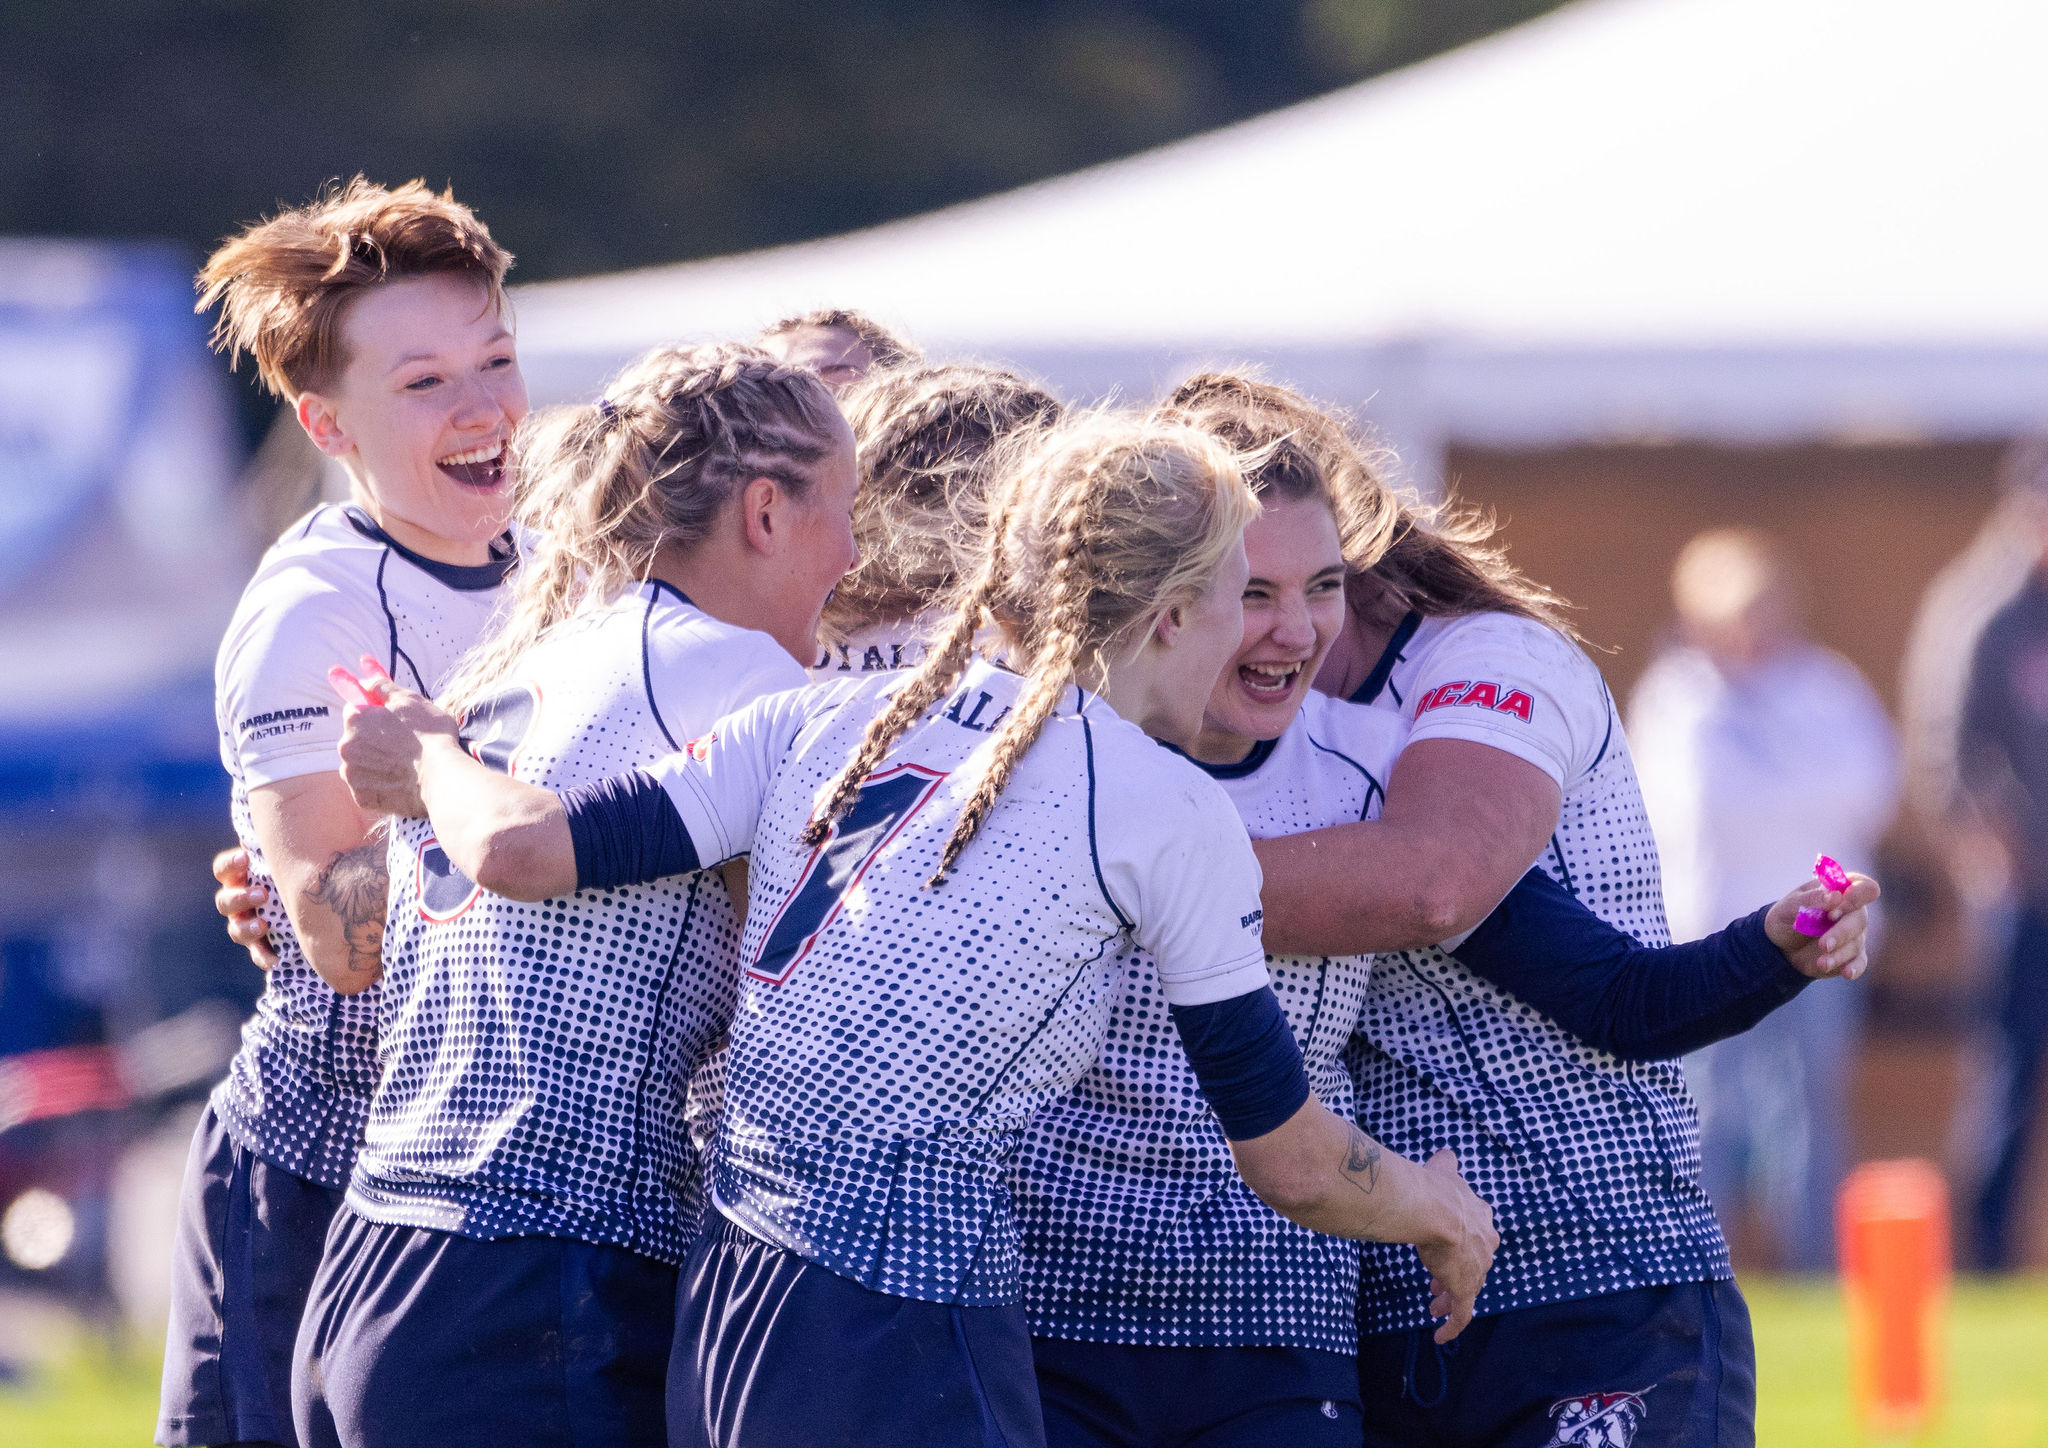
(1597, 1420)
(1477, 695)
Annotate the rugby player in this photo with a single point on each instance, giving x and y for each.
(379, 315)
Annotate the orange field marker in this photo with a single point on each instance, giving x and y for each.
(1891, 1221)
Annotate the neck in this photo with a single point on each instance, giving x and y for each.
(1220, 746)
(729, 592)
(1133, 687)
(1370, 619)
(460, 552)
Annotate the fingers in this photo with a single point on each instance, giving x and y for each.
(240, 901)
(231, 867)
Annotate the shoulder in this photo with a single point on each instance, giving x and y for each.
(314, 578)
(1367, 736)
(686, 636)
(1140, 783)
(1497, 636)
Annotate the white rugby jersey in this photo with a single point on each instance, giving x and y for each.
(879, 648)
(333, 588)
(535, 1057)
(892, 1042)
(1137, 1227)
(1591, 1163)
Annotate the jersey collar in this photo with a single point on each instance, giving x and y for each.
(1384, 669)
(464, 578)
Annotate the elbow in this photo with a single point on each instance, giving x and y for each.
(509, 862)
(1291, 1187)
(352, 982)
(1438, 911)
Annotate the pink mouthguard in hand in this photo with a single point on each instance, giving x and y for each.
(1811, 922)
(351, 688)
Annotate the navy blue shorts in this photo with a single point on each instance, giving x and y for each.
(772, 1351)
(416, 1337)
(1104, 1395)
(1654, 1367)
(248, 1243)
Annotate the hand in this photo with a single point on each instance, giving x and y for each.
(1459, 1259)
(239, 901)
(381, 745)
(1840, 950)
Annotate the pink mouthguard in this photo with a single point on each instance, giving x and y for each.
(351, 688)
(1811, 922)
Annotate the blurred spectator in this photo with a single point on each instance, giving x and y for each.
(1758, 749)
(2000, 796)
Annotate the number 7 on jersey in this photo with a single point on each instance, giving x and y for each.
(887, 800)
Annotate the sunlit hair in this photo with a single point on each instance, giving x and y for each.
(604, 487)
(1438, 559)
(885, 348)
(284, 285)
(927, 438)
(1097, 525)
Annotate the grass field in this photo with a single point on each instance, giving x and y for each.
(1997, 1381)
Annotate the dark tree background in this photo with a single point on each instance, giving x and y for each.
(595, 136)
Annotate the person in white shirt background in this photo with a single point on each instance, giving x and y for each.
(1757, 749)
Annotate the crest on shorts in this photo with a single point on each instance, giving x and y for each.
(1597, 1420)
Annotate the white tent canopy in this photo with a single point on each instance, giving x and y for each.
(1748, 220)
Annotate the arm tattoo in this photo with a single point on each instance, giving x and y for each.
(1362, 1162)
(355, 886)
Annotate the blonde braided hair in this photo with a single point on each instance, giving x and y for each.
(1100, 524)
(927, 439)
(679, 434)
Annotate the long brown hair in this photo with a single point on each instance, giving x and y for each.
(604, 487)
(926, 439)
(1437, 559)
(1097, 524)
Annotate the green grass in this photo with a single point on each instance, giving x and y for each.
(1997, 1383)
(88, 1399)
(1997, 1377)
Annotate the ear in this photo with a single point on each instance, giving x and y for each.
(322, 423)
(1166, 629)
(764, 516)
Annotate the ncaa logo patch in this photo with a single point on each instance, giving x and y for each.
(1597, 1420)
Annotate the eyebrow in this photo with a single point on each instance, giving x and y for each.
(501, 335)
(1338, 569)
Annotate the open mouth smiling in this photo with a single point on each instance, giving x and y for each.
(481, 467)
(1269, 681)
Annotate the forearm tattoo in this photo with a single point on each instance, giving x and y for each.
(355, 886)
(1362, 1162)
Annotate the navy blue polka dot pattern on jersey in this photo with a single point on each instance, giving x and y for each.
(892, 1041)
(1137, 1228)
(536, 1058)
(1590, 1163)
(298, 1092)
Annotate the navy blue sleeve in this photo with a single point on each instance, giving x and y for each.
(1642, 1003)
(626, 832)
(1245, 1060)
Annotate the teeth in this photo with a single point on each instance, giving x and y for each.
(1275, 672)
(475, 455)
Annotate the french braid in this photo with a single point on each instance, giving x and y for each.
(927, 438)
(604, 487)
(1101, 523)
